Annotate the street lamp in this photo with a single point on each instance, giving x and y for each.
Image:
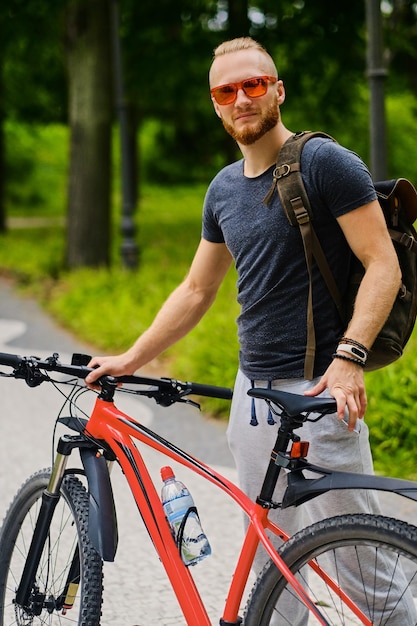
(376, 73)
(129, 249)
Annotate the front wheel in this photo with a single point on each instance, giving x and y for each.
(373, 559)
(68, 585)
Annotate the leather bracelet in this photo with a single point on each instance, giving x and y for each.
(354, 351)
(352, 342)
(348, 358)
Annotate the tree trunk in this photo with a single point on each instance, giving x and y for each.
(90, 119)
(238, 18)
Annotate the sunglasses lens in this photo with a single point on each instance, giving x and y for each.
(255, 87)
(225, 94)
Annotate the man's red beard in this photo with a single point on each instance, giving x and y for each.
(248, 136)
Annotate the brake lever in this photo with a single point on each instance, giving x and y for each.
(190, 402)
(29, 371)
(167, 398)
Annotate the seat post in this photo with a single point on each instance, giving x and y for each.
(284, 436)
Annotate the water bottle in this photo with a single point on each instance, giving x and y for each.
(183, 519)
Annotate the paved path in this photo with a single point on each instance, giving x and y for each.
(135, 591)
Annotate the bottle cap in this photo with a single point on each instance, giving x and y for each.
(166, 473)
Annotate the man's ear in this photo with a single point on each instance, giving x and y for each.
(280, 92)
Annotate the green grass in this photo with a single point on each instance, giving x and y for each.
(109, 309)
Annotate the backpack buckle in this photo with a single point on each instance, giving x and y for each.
(281, 171)
(407, 241)
(300, 211)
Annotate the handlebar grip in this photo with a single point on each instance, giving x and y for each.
(211, 391)
(13, 360)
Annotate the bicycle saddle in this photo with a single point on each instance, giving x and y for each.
(293, 404)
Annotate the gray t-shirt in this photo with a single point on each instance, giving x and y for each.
(270, 262)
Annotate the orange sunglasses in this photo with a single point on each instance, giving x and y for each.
(253, 87)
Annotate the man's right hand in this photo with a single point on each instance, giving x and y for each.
(120, 365)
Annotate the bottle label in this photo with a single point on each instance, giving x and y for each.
(178, 506)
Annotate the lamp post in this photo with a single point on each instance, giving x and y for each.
(129, 249)
(376, 73)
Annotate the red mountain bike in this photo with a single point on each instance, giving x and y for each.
(62, 523)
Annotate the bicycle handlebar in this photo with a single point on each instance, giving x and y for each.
(10, 359)
(165, 391)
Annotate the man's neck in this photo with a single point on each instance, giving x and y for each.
(260, 155)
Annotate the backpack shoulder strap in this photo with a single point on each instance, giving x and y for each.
(287, 177)
(288, 181)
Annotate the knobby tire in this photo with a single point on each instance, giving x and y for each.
(385, 590)
(68, 532)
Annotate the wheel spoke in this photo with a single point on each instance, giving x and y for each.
(372, 559)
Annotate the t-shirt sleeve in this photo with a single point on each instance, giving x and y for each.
(211, 230)
(341, 178)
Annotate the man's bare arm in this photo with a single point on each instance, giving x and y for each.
(178, 315)
(367, 235)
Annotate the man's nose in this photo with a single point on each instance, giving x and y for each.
(242, 97)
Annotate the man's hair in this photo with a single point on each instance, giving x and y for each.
(245, 43)
(238, 44)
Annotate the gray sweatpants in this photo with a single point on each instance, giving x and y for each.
(331, 445)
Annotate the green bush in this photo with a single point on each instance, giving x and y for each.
(37, 161)
(392, 398)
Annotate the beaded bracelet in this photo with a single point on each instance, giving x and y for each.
(348, 358)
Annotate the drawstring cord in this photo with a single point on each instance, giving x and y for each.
(254, 419)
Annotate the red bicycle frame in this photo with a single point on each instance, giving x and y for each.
(119, 431)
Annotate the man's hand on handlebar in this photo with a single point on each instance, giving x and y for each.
(119, 365)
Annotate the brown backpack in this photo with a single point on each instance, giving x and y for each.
(398, 200)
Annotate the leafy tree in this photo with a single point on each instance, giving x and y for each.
(319, 48)
(400, 17)
(33, 63)
(166, 61)
(32, 80)
(35, 90)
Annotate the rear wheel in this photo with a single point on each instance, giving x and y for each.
(68, 585)
(372, 558)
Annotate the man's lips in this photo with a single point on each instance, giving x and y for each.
(244, 115)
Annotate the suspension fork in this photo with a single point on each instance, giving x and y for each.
(50, 498)
(66, 599)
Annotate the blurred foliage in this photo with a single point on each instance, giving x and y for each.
(392, 397)
(37, 163)
(32, 60)
(319, 48)
(127, 301)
